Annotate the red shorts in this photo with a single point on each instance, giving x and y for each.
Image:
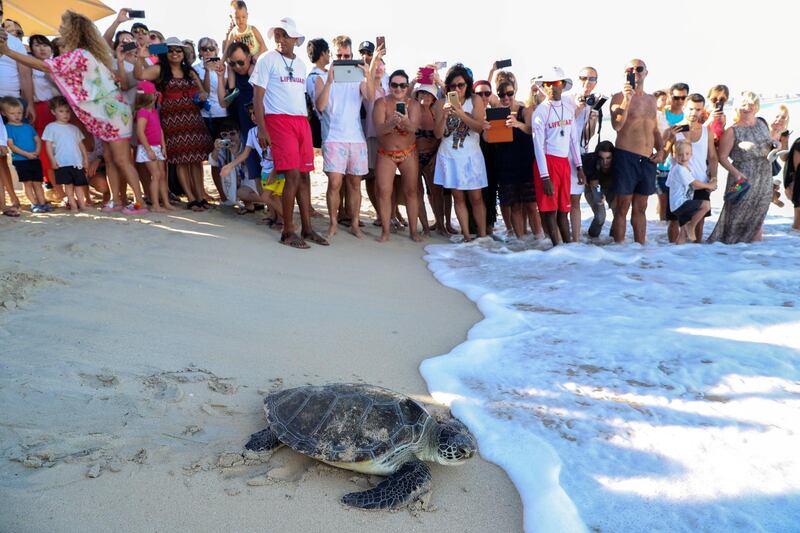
(292, 147)
(559, 170)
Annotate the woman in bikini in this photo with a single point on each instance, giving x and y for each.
(397, 150)
(427, 144)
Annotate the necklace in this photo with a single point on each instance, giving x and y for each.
(560, 118)
(289, 68)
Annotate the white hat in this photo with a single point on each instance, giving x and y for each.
(287, 25)
(427, 88)
(556, 74)
(175, 42)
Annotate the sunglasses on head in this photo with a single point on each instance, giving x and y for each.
(459, 85)
(235, 62)
(678, 97)
(638, 69)
(485, 94)
(394, 85)
(507, 94)
(207, 49)
(557, 83)
(587, 78)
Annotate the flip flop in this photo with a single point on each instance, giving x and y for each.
(316, 238)
(291, 239)
(11, 212)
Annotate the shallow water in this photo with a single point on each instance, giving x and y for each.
(630, 388)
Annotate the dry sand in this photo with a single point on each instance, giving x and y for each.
(135, 353)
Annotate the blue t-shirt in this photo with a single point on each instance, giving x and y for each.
(24, 137)
(672, 119)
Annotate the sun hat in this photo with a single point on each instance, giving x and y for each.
(287, 24)
(556, 74)
(366, 46)
(428, 89)
(174, 41)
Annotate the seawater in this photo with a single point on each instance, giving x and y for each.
(634, 388)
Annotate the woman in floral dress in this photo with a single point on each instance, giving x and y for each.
(83, 74)
(185, 132)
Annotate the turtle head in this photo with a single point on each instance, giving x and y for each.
(454, 443)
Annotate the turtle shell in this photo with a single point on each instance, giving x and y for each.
(346, 423)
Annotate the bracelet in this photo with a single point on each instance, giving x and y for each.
(545, 178)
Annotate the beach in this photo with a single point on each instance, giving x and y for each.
(136, 351)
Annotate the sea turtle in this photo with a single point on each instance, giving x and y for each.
(366, 429)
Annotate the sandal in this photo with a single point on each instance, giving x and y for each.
(245, 211)
(291, 239)
(203, 204)
(316, 238)
(11, 212)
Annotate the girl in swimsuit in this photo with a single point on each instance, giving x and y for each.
(427, 144)
(397, 150)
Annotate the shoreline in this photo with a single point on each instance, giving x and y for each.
(161, 334)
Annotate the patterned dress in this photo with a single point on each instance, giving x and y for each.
(187, 137)
(93, 95)
(741, 222)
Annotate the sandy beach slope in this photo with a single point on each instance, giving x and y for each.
(134, 353)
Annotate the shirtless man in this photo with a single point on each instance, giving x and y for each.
(638, 150)
(397, 150)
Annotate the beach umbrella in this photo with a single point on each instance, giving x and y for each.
(44, 16)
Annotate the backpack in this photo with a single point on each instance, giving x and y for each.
(313, 120)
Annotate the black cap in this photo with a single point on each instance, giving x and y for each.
(366, 46)
(137, 25)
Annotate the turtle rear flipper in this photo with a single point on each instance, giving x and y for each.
(263, 441)
(397, 490)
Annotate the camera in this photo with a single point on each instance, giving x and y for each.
(591, 100)
(225, 143)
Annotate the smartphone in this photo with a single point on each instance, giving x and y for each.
(441, 64)
(127, 47)
(503, 63)
(400, 107)
(452, 98)
(135, 13)
(211, 59)
(426, 76)
(599, 103)
(683, 128)
(157, 49)
(720, 105)
(381, 40)
(632, 79)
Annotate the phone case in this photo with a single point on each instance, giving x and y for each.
(498, 133)
(426, 76)
(504, 63)
(452, 98)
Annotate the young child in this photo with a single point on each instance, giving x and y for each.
(241, 31)
(7, 211)
(152, 146)
(25, 146)
(68, 155)
(681, 191)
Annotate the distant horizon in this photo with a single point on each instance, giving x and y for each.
(695, 43)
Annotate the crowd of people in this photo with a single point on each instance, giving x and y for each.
(90, 116)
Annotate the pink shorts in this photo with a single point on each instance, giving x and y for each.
(559, 170)
(345, 158)
(292, 147)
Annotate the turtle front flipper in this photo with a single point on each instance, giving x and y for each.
(397, 490)
(263, 441)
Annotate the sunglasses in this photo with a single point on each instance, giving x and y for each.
(587, 78)
(235, 62)
(459, 85)
(207, 49)
(153, 37)
(507, 94)
(638, 69)
(175, 50)
(485, 94)
(557, 83)
(676, 97)
(139, 31)
(394, 85)
(344, 56)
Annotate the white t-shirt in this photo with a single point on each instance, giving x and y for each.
(216, 110)
(549, 121)
(66, 140)
(679, 182)
(266, 155)
(43, 88)
(3, 134)
(311, 88)
(344, 113)
(285, 94)
(698, 164)
(9, 75)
